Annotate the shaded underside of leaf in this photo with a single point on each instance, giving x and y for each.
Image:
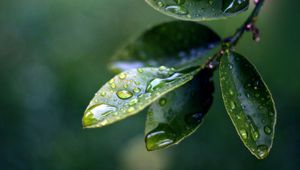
(173, 44)
(248, 102)
(179, 113)
(130, 92)
(199, 10)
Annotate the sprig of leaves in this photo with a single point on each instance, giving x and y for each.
(167, 69)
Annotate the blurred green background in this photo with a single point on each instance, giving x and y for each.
(54, 56)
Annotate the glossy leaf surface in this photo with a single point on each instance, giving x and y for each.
(173, 44)
(130, 92)
(179, 113)
(198, 10)
(248, 102)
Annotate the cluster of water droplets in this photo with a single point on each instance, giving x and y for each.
(254, 116)
(128, 95)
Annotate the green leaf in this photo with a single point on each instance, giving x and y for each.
(179, 113)
(130, 92)
(173, 44)
(248, 102)
(199, 10)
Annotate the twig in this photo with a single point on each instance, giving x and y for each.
(230, 42)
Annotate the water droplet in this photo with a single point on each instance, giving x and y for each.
(111, 81)
(239, 115)
(162, 68)
(231, 92)
(124, 94)
(161, 137)
(103, 94)
(230, 66)
(96, 113)
(244, 133)
(176, 9)
(136, 90)
(262, 151)
(130, 110)
(133, 102)
(122, 76)
(267, 130)
(140, 70)
(125, 86)
(137, 83)
(234, 6)
(113, 85)
(179, 2)
(160, 4)
(160, 82)
(232, 105)
(162, 101)
(255, 134)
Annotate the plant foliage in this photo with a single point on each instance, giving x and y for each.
(169, 70)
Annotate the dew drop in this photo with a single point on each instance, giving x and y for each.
(176, 9)
(96, 113)
(103, 94)
(244, 133)
(136, 90)
(140, 70)
(122, 76)
(130, 110)
(239, 115)
(162, 68)
(160, 82)
(112, 81)
(161, 137)
(179, 2)
(232, 105)
(137, 83)
(262, 151)
(113, 85)
(124, 94)
(255, 134)
(231, 92)
(162, 101)
(160, 4)
(267, 130)
(133, 102)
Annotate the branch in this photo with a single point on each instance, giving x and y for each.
(249, 25)
(230, 42)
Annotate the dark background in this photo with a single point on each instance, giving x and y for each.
(53, 59)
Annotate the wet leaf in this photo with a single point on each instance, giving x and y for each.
(179, 113)
(173, 44)
(130, 92)
(199, 10)
(248, 102)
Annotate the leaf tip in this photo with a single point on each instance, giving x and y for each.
(160, 138)
(89, 121)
